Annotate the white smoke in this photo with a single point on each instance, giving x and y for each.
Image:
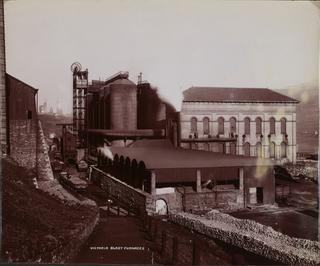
(105, 150)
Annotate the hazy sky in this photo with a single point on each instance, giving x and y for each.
(175, 44)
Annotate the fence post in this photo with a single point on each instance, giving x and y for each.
(195, 253)
(149, 224)
(154, 233)
(164, 243)
(174, 250)
(118, 210)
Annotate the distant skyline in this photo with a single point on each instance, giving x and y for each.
(175, 44)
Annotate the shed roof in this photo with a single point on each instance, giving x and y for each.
(225, 94)
(169, 157)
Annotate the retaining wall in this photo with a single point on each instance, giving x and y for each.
(23, 142)
(253, 237)
(124, 193)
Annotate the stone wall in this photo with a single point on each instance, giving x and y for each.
(23, 142)
(124, 193)
(253, 237)
(240, 111)
(208, 200)
(44, 169)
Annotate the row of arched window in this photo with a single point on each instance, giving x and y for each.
(247, 148)
(233, 125)
(272, 149)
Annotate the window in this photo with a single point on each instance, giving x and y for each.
(283, 122)
(233, 126)
(220, 125)
(246, 149)
(206, 129)
(259, 149)
(272, 149)
(272, 125)
(258, 125)
(193, 125)
(194, 146)
(206, 146)
(233, 148)
(283, 150)
(247, 126)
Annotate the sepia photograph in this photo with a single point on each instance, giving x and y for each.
(166, 132)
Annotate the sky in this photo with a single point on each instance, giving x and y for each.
(176, 44)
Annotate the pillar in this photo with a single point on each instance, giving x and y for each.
(153, 183)
(242, 190)
(198, 180)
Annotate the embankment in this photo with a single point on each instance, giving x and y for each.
(253, 237)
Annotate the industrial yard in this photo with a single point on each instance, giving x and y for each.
(159, 133)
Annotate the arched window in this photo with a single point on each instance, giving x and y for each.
(206, 129)
(233, 148)
(283, 122)
(193, 125)
(220, 125)
(259, 149)
(272, 150)
(258, 125)
(206, 146)
(233, 126)
(283, 150)
(247, 126)
(272, 125)
(246, 149)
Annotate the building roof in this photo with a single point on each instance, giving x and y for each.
(20, 81)
(240, 95)
(168, 157)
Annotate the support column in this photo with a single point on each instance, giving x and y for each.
(241, 196)
(198, 180)
(153, 182)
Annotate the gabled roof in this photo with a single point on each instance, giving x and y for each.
(238, 95)
(20, 81)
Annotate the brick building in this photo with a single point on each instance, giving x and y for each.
(23, 121)
(3, 99)
(244, 121)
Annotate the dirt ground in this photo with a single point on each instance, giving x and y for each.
(35, 225)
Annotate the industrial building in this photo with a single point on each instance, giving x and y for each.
(22, 121)
(116, 112)
(189, 179)
(143, 136)
(246, 121)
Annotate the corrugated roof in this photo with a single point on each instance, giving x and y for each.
(167, 157)
(225, 94)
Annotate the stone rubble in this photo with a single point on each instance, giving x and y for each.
(253, 237)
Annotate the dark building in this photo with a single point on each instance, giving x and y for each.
(118, 111)
(22, 121)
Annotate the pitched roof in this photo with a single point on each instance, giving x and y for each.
(242, 95)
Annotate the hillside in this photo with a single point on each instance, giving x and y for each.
(307, 115)
(35, 225)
